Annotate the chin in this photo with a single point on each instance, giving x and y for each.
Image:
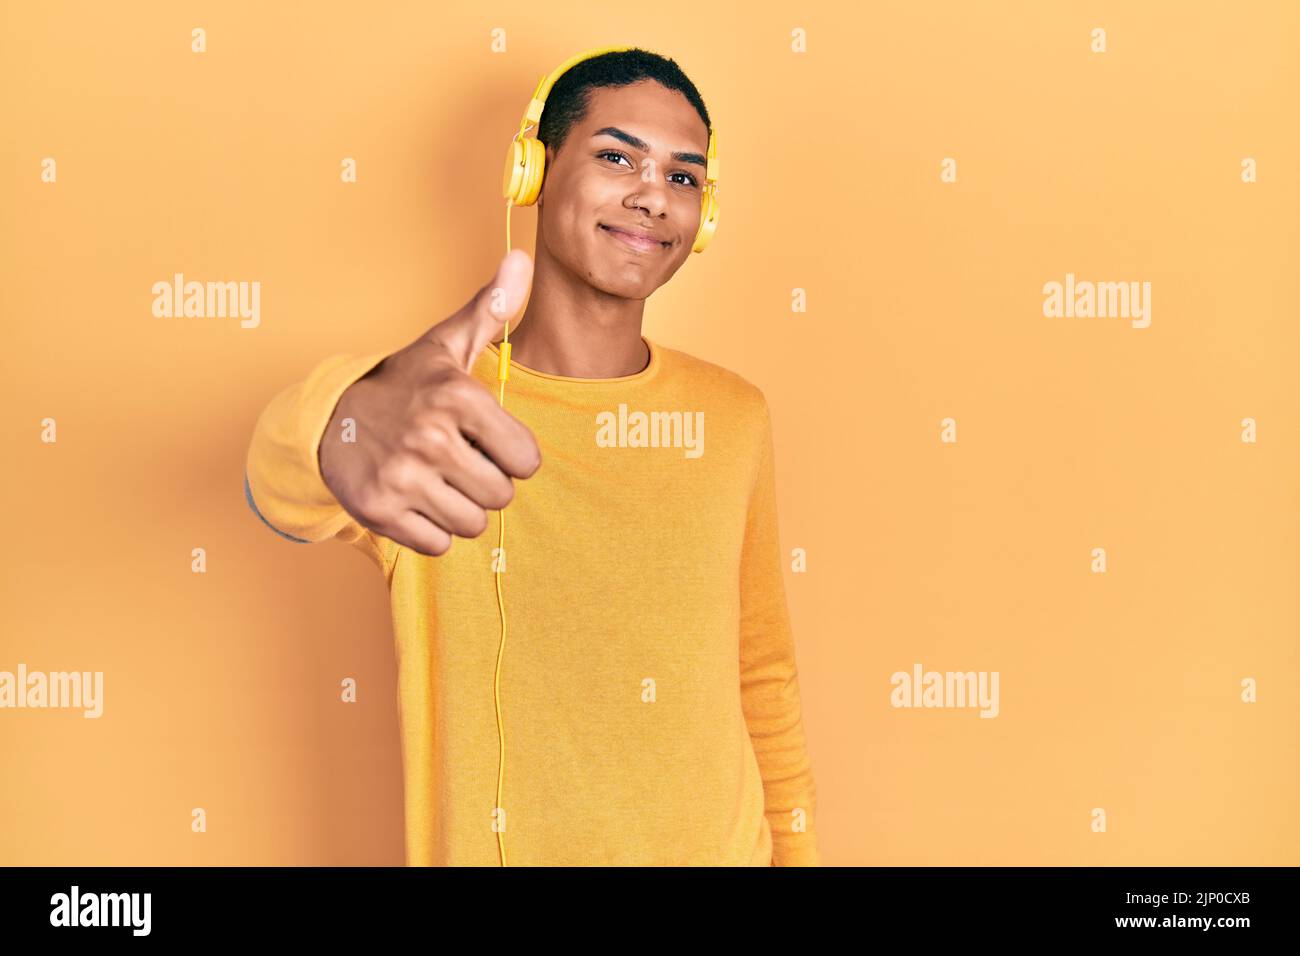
(617, 278)
(625, 285)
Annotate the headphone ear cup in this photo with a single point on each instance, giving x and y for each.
(536, 168)
(708, 222)
(525, 165)
(514, 172)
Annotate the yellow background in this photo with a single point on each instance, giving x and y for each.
(1118, 690)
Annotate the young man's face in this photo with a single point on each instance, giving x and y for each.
(590, 191)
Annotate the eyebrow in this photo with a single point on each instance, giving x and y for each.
(637, 143)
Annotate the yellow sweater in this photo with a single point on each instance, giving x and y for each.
(648, 690)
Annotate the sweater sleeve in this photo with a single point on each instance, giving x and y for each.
(282, 479)
(768, 677)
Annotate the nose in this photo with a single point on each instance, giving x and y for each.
(648, 196)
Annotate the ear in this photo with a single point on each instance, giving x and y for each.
(550, 163)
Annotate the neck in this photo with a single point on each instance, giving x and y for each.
(573, 329)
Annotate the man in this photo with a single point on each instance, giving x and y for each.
(648, 693)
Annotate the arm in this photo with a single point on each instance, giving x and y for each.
(769, 683)
(282, 479)
(401, 450)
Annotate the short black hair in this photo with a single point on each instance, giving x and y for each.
(566, 105)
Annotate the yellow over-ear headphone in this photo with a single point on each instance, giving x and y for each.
(522, 184)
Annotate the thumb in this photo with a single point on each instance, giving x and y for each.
(483, 317)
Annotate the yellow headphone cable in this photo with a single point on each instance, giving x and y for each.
(503, 372)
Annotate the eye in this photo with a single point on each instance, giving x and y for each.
(613, 152)
(691, 180)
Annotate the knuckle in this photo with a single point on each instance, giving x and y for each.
(369, 510)
(435, 437)
(432, 437)
(396, 473)
(434, 384)
(451, 387)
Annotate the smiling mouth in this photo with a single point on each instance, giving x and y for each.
(640, 243)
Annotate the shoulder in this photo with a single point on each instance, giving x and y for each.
(702, 377)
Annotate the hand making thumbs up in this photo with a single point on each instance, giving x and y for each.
(412, 474)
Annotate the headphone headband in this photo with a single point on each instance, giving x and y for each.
(533, 114)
